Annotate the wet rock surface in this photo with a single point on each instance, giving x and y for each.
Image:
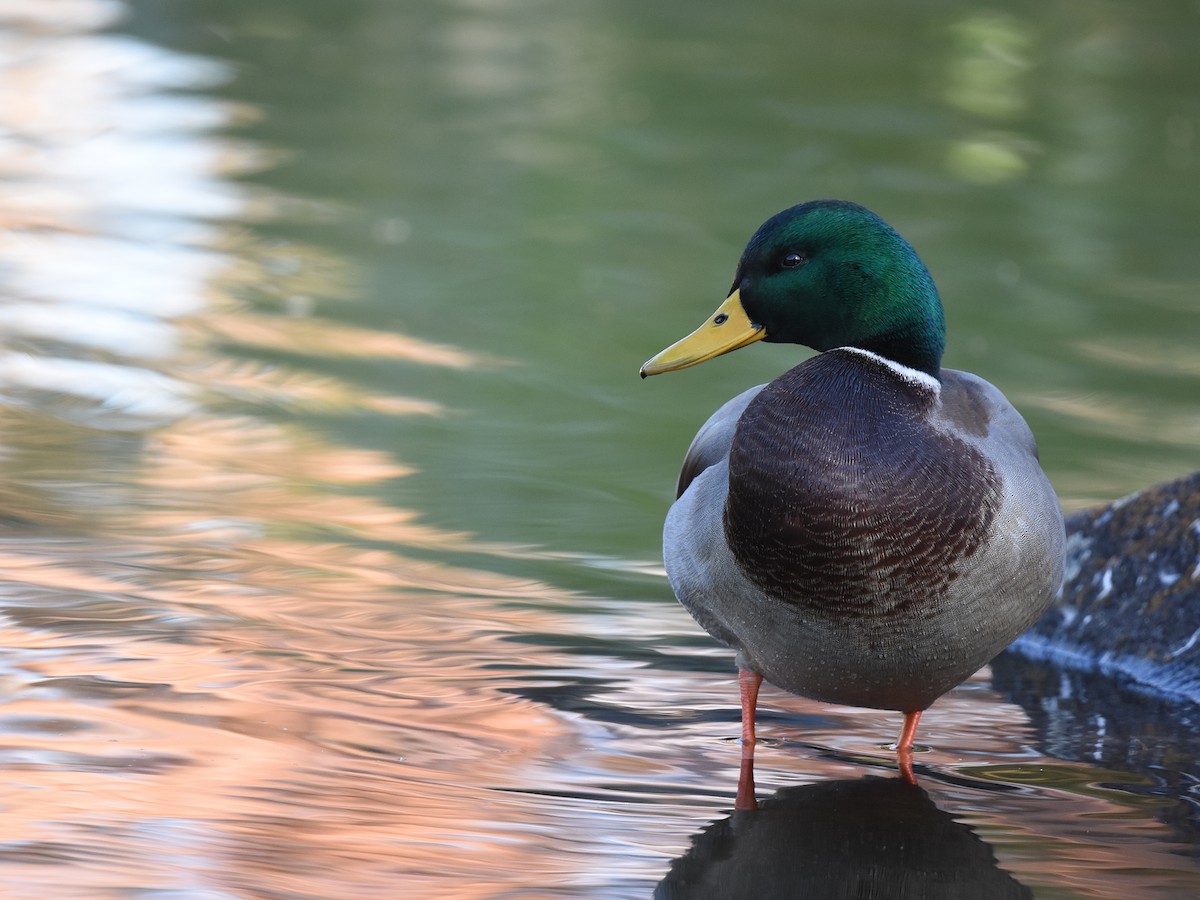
(1130, 605)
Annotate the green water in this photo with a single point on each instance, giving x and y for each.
(335, 498)
(563, 191)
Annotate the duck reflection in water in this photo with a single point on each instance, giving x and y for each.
(871, 837)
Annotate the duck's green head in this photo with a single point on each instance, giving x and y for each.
(825, 274)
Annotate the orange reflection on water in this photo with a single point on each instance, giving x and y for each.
(216, 473)
(330, 340)
(289, 704)
(205, 690)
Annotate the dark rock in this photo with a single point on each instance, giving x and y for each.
(1130, 604)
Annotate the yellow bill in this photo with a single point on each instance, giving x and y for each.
(727, 329)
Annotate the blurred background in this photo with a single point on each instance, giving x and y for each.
(331, 496)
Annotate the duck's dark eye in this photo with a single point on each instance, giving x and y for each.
(793, 260)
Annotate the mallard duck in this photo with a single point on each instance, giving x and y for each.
(869, 528)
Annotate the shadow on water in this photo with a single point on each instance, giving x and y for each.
(1097, 720)
(871, 837)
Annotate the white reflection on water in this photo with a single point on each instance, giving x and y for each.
(94, 157)
(117, 268)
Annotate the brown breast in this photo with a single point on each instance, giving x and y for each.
(843, 497)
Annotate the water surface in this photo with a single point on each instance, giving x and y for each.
(331, 497)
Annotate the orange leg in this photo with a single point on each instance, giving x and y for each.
(904, 746)
(745, 789)
(748, 684)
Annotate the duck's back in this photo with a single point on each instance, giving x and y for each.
(879, 535)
